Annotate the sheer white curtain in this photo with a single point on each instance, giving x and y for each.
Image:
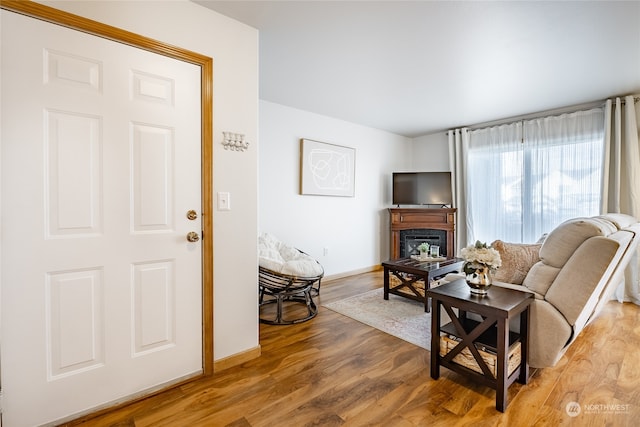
(621, 192)
(517, 181)
(564, 164)
(494, 183)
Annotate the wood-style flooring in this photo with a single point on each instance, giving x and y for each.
(335, 371)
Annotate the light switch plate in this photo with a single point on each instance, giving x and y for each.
(224, 201)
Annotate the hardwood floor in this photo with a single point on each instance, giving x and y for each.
(335, 371)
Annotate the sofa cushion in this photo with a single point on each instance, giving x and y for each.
(540, 277)
(619, 220)
(517, 259)
(520, 288)
(563, 241)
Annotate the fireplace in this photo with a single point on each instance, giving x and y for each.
(412, 226)
(412, 238)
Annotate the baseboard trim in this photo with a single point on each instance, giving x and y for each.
(352, 273)
(237, 359)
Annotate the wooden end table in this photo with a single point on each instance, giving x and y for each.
(410, 272)
(491, 334)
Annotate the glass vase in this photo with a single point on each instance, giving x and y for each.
(478, 277)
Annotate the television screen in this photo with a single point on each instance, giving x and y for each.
(422, 188)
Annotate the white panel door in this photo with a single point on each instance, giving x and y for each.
(101, 291)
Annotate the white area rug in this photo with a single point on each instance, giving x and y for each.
(401, 317)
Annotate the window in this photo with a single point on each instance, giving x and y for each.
(525, 178)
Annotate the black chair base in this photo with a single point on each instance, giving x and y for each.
(281, 289)
(280, 300)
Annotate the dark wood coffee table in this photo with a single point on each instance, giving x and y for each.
(412, 278)
(490, 334)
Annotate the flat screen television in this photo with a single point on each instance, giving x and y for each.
(422, 188)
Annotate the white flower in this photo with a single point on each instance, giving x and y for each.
(481, 253)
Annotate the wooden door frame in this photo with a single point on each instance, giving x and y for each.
(75, 22)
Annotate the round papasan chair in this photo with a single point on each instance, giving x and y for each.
(286, 275)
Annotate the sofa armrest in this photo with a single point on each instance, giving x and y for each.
(580, 277)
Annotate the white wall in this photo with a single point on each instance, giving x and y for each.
(355, 230)
(234, 49)
(430, 153)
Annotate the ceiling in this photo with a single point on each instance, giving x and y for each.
(419, 67)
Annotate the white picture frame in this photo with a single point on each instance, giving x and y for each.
(326, 169)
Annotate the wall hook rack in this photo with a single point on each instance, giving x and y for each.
(234, 141)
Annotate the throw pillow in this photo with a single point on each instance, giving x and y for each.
(517, 260)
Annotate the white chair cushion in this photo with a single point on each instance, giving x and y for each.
(277, 256)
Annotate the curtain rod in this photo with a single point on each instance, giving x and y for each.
(555, 111)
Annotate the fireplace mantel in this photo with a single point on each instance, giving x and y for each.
(420, 218)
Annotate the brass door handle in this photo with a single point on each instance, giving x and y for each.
(192, 215)
(192, 236)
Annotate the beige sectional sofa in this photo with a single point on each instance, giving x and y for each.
(572, 274)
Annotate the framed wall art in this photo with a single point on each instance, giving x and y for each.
(326, 169)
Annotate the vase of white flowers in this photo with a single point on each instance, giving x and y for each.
(481, 260)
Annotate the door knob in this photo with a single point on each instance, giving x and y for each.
(192, 236)
(192, 215)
